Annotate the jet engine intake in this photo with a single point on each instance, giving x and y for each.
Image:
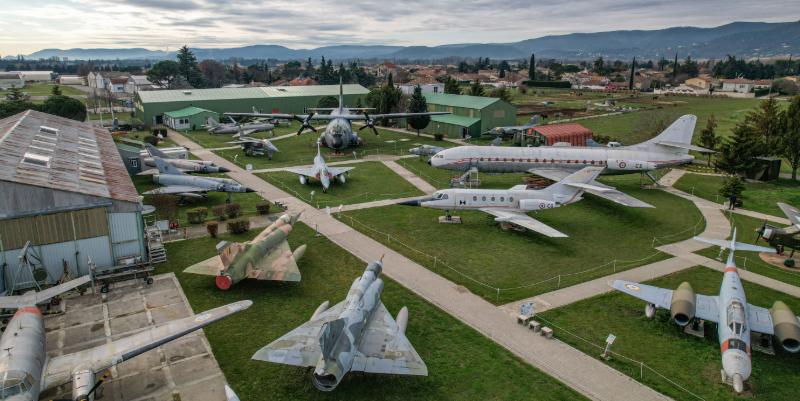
(785, 326)
(629, 165)
(82, 384)
(683, 304)
(536, 204)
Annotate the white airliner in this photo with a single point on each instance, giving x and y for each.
(669, 148)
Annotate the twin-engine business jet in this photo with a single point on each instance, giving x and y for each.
(669, 148)
(735, 318)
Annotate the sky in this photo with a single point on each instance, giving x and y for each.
(30, 25)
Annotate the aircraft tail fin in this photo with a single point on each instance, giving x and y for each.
(677, 137)
(329, 335)
(154, 151)
(565, 190)
(733, 245)
(211, 122)
(341, 93)
(165, 168)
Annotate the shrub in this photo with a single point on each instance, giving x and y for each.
(153, 140)
(262, 208)
(239, 226)
(233, 210)
(212, 227)
(197, 215)
(788, 262)
(166, 206)
(438, 137)
(219, 212)
(733, 186)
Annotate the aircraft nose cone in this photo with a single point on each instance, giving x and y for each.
(224, 170)
(249, 190)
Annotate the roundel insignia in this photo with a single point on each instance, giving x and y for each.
(622, 164)
(632, 287)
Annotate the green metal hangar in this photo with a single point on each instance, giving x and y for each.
(65, 192)
(471, 115)
(151, 106)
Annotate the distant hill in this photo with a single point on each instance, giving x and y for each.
(741, 39)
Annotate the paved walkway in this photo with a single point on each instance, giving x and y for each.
(367, 158)
(577, 370)
(412, 178)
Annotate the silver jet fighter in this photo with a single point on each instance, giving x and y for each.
(511, 131)
(25, 369)
(339, 132)
(184, 165)
(735, 318)
(321, 172)
(669, 148)
(255, 146)
(242, 129)
(426, 150)
(511, 206)
(176, 183)
(355, 335)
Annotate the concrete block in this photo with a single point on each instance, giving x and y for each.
(547, 332)
(535, 326)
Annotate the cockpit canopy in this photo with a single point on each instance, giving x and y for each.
(736, 321)
(440, 196)
(14, 382)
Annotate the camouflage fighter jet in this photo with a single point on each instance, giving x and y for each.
(26, 370)
(780, 238)
(265, 257)
(355, 335)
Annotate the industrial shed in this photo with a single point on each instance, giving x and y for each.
(150, 106)
(572, 133)
(471, 115)
(64, 189)
(189, 118)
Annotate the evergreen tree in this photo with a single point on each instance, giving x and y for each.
(418, 104)
(56, 91)
(675, 68)
(789, 145)
(309, 72)
(532, 68)
(708, 138)
(733, 186)
(633, 69)
(451, 86)
(65, 106)
(502, 93)
(738, 154)
(766, 119)
(16, 95)
(475, 89)
(188, 69)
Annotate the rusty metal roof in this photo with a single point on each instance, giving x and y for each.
(561, 129)
(48, 151)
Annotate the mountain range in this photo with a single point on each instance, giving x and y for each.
(741, 39)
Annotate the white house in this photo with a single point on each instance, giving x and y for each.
(9, 79)
(102, 80)
(408, 89)
(742, 85)
(137, 83)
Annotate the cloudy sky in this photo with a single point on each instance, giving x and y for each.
(30, 25)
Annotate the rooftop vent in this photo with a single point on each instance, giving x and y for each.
(48, 130)
(187, 92)
(36, 159)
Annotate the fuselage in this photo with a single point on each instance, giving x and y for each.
(197, 166)
(339, 133)
(22, 355)
(512, 199)
(208, 183)
(233, 129)
(732, 330)
(506, 159)
(243, 264)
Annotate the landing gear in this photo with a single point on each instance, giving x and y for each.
(228, 199)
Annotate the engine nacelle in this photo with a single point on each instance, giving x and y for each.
(82, 383)
(536, 204)
(629, 165)
(650, 310)
(303, 180)
(342, 178)
(683, 304)
(402, 319)
(321, 308)
(785, 326)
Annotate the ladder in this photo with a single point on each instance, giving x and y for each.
(155, 245)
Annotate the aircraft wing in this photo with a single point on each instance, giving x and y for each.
(279, 265)
(759, 319)
(59, 369)
(687, 146)
(551, 174)
(305, 171)
(525, 221)
(336, 171)
(606, 192)
(299, 347)
(791, 212)
(174, 189)
(264, 115)
(35, 298)
(385, 349)
(705, 306)
(392, 115)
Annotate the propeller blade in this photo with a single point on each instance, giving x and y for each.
(375, 130)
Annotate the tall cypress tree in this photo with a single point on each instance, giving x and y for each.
(532, 68)
(633, 66)
(675, 68)
(418, 104)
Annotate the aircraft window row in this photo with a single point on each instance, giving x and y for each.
(440, 196)
(536, 160)
(493, 198)
(736, 321)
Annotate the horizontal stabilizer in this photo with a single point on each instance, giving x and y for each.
(209, 267)
(791, 212)
(737, 246)
(684, 146)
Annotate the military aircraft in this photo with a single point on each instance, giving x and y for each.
(780, 238)
(426, 150)
(265, 257)
(338, 133)
(735, 318)
(187, 186)
(243, 129)
(355, 335)
(669, 148)
(255, 146)
(184, 165)
(511, 131)
(26, 370)
(512, 205)
(321, 172)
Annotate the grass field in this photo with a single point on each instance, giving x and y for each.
(600, 231)
(300, 150)
(757, 196)
(462, 364)
(440, 178)
(44, 89)
(745, 229)
(247, 201)
(367, 182)
(691, 362)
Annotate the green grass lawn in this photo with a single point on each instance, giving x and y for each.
(247, 201)
(632, 128)
(367, 182)
(745, 232)
(462, 364)
(299, 150)
(45, 89)
(757, 196)
(692, 362)
(600, 231)
(440, 178)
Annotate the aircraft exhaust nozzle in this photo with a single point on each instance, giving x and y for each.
(299, 252)
(738, 383)
(223, 170)
(402, 319)
(223, 282)
(247, 189)
(293, 218)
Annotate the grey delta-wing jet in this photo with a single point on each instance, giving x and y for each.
(355, 335)
(255, 146)
(186, 186)
(339, 132)
(511, 131)
(241, 129)
(265, 257)
(321, 172)
(511, 206)
(670, 148)
(25, 369)
(735, 318)
(184, 165)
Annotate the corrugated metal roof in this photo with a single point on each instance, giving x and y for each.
(561, 129)
(187, 111)
(180, 95)
(455, 120)
(54, 152)
(468, 102)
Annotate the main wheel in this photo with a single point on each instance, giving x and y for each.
(104, 289)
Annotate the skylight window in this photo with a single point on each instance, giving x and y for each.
(48, 130)
(36, 159)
